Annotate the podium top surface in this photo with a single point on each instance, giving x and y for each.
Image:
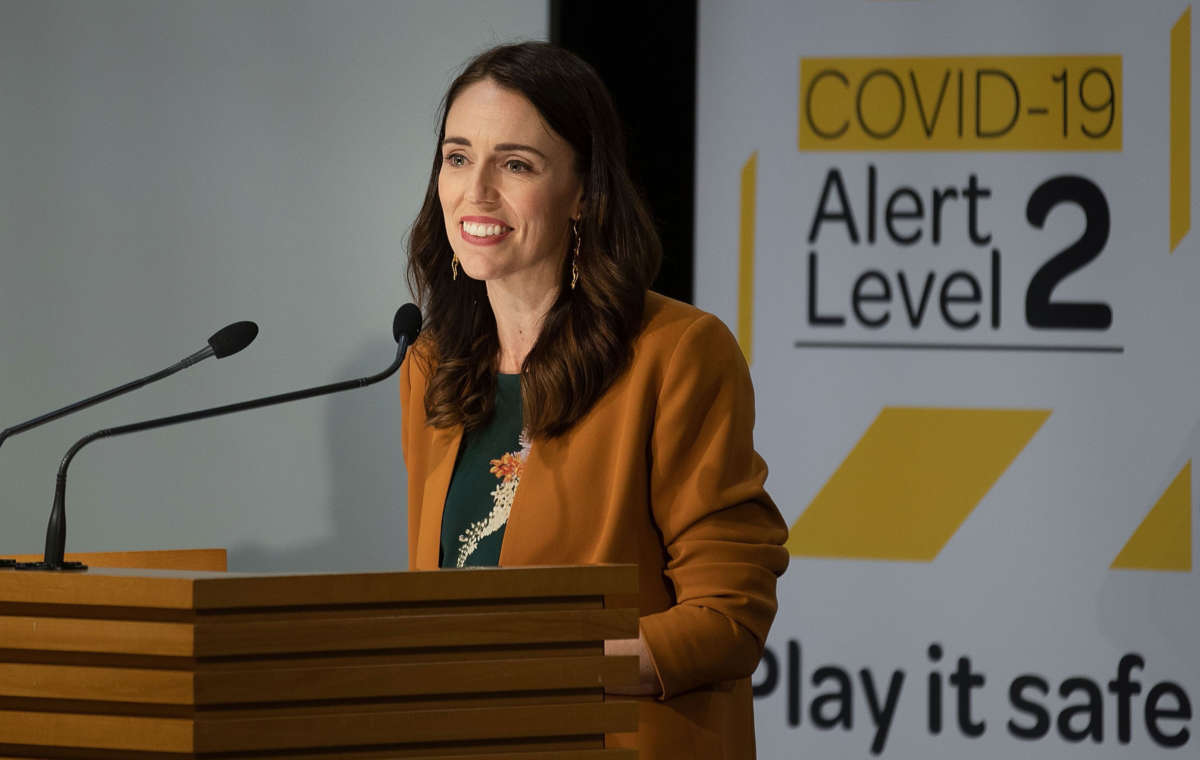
(197, 590)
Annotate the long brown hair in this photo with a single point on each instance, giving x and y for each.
(587, 336)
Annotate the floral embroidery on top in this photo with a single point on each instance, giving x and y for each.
(508, 469)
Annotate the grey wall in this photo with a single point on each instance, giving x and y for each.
(168, 167)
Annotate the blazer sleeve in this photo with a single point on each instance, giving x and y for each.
(723, 534)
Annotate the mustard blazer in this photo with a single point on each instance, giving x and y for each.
(661, 473)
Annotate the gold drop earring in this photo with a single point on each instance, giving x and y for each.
(454, 266)
(575, 257)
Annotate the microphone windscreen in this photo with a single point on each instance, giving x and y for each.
(233, 338)
(407, 323)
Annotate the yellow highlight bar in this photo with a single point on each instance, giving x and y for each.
(1025, 103)
(1181, 128)
(1164, 539)
(911, 480)
(745, 325)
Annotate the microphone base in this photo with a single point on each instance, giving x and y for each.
(65, 565)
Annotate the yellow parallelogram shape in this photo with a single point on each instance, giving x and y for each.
(1164, 539)
(910, 481)
(745, 324)
(1181, 128)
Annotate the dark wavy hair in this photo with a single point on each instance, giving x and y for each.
(587, 336)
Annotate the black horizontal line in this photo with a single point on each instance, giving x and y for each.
(1038, 347)
(1038, 111)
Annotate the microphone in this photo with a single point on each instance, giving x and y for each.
(224, 342)
(405, 327)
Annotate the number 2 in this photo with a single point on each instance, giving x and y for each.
(1040, 311)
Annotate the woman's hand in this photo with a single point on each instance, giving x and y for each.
(647, 685)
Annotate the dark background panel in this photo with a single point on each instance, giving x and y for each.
(646, 54)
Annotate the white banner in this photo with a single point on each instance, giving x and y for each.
(954, 239)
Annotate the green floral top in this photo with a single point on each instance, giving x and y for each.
(484, 483)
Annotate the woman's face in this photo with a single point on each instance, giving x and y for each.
(508, 189)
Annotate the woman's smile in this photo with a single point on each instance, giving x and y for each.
(483, 230)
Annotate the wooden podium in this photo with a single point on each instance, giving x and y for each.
(491, 664)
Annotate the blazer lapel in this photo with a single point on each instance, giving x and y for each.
(510, 547)
(443, 451)
(525, 533)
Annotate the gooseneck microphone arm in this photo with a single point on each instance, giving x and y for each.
(105, 396)
(229, 340)
(56, 530)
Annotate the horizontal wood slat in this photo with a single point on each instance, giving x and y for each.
(554, 754)
(98, 731)
(296, 684)
(213, 560)
(304, 708)
(215, 591)
(561, 749)
(230, 590)
(409, 680)
(506, 651)
(248, 615)
(177, 589)
(82, 635)
(217, 734)
(319, 635)
(162, 589)
(175, 687)
(322, 635)
(382, 727)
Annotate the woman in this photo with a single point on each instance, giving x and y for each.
(557, 412)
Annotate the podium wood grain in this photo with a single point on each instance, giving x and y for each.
(161, 559)
(503, 663)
